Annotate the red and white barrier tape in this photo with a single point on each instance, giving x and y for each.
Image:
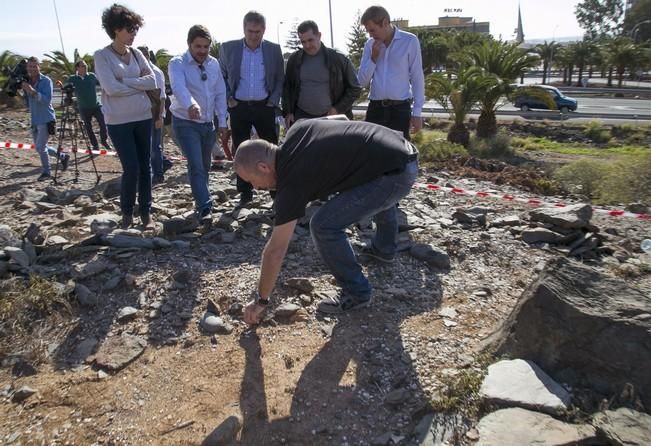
(531, 201)
(434, 187)
(21, 146)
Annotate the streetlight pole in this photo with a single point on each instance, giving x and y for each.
(636, 28)
(278, 32)
(551, 56)
(332, 36)
(56, 13)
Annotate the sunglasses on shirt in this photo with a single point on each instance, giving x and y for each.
(204, 75)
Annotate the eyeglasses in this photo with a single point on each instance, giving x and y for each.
(204, 75)
(132, 29)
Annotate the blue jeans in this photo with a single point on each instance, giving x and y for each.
(156, 151)
(40, 137)
(375, 199)
(132, 141)
(196, 141)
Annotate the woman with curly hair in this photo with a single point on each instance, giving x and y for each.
(124, 76)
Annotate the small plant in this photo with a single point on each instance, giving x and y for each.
(582, 176)
(461, 391)
(433, 149)
(497, 147)
(595, 131)
(628, 181)
(23, 302)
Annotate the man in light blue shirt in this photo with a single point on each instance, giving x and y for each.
(392, 65)
(199, 94)
(38, 98)
(254, 73)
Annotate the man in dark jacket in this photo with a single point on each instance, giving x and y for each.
(253, 69)
(319, 81)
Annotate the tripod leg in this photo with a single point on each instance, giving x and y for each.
(61, 137)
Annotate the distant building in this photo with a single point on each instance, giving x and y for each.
(447, 23)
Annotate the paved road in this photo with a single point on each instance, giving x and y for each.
(610, 105)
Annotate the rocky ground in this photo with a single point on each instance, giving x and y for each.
(146, 344)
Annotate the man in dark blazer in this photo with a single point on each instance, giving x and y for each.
(253, 69)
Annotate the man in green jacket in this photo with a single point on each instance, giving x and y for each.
(319, 81)
(85, 84)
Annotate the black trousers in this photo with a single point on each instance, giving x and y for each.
(396, 117)
(244, 116)
(86, 115)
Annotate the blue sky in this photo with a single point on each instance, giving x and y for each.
(31, 28)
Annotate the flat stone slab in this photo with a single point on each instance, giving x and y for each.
(541, 235)
(522, 383)
(624, 427)
(117, 352)
(517, 426)
(569, 217)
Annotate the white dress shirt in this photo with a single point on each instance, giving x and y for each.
(188, 88)
(398, 72)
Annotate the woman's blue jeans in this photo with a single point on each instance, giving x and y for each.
(132, 141)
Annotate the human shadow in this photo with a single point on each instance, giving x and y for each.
(361, 386)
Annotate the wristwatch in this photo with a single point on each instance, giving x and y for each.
(261, 300)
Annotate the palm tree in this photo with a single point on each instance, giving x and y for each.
(162, 59)
(623, 54)
(546, 51)
(215, 47)
(58, 67)
(504, 63)
(566, 60)
(8, 61)
(582, 51)
(458, 44)
(457, 95)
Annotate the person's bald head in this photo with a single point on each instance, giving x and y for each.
(255, 163)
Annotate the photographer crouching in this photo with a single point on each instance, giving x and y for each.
(85, 87)
(38, 98)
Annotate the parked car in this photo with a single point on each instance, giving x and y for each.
(526, 101)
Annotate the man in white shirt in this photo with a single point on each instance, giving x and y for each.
(199, 94)
(392, 66)
(158, 159)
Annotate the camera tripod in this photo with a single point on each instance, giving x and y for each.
(72, 124)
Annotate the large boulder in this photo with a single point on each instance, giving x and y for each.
(517, 426)
(582, 327)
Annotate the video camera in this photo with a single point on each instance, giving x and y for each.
(16, 77)
(68, 89)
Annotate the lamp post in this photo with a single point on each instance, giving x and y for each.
(551, 56)
(636, 28)
(332, 36)
(278, 32)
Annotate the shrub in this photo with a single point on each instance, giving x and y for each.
(499, 146)
(433, 149)
(595, 131)
(583, 176)
(628, 181)
(22, 302)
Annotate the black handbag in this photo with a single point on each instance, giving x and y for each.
(52, 127)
